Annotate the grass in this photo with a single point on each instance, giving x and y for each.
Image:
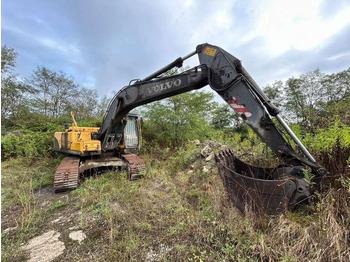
(21, 177)
(177, 212)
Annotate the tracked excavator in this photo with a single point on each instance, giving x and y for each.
(265, 190)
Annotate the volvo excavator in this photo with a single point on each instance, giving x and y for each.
(112, 146)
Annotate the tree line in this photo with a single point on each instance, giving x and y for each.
(46, 93)
(313, 100)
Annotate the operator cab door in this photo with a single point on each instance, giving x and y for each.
(132, 132)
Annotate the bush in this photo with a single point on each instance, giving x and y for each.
(331, 147)
(32, 144)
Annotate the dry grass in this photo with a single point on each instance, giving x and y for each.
(178, 212)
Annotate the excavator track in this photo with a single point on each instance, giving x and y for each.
(135, 166)
(67, 174)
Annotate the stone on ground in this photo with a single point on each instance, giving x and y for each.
(77, 235)
(45, 248)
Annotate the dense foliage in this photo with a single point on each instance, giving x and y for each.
(315, 103)
(178, 119)
(314, 99)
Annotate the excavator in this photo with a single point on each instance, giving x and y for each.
(93, 150)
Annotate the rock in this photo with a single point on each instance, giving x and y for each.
(57, 220)
(209, 157)
(205, 187)
(45, 203)
(45, 248)
(206, 151)
(14, 133)
(77, 235)
(205, 169)
(10, 230)
(214, 144)
(152, 255)
(190, 172)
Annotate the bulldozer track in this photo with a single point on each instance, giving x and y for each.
(67, 174)
(135, 166)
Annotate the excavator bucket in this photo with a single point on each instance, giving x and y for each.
(259, 189)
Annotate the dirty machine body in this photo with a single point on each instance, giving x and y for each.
(86, 157)
(267, 190)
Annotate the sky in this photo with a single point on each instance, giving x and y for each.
(104, 44)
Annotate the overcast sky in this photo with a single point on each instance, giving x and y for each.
(105, 44)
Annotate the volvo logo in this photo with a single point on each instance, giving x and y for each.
(164, 86)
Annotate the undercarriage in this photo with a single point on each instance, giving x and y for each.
(73, 169)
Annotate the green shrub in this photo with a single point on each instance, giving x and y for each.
(183, 157)
(330, 146)
(32, 144)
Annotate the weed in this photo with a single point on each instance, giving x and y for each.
(58, 204)
(308, 176)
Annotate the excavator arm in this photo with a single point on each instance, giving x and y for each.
(143, 92)
(225, 74)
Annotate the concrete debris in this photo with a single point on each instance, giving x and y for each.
(206, 151)
(45, 248)
(77, 236)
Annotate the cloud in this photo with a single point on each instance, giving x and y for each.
(104, 44)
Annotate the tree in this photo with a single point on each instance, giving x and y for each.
(275, 92)
(85, 104)
(175, 120)
(102, 106)
(8, 59)
(337, 101)
(13, 91)
(55, 91)
(224, 117)
(337, 86)
(303, 96)
(313, 99)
